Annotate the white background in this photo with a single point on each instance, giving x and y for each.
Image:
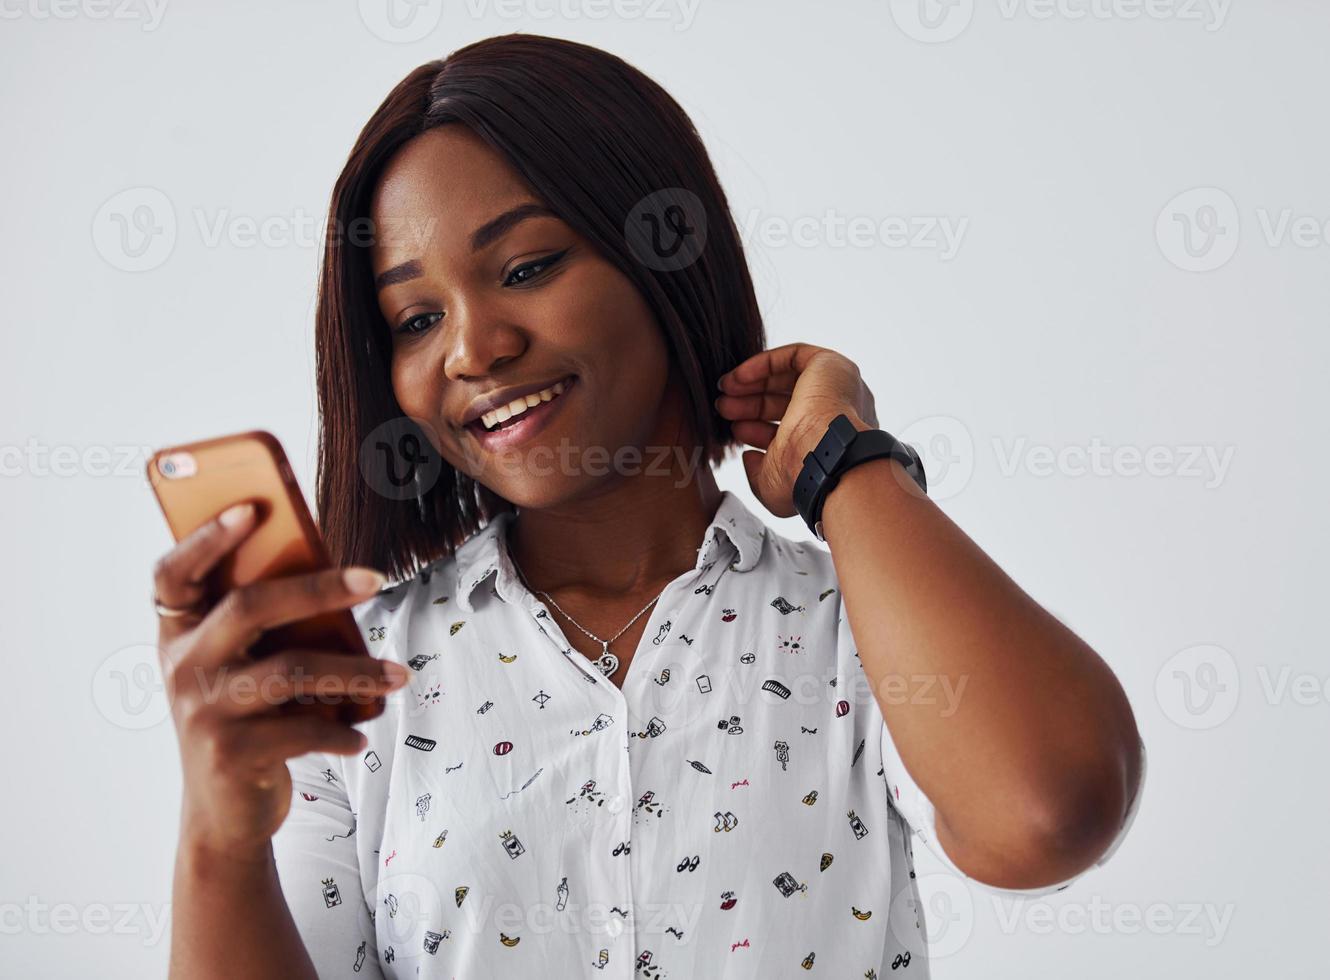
(1086, 304)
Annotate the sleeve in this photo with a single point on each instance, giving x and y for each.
(317, 865)
(914, 805)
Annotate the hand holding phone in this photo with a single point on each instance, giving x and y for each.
(268, 664)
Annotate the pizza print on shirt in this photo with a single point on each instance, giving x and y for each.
(738, 809)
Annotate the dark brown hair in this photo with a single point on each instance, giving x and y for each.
(592, 136)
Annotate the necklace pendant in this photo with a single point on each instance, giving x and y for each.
(608, 663)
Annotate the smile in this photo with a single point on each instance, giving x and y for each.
(522, 418)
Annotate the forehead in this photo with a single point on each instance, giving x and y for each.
(438, 188)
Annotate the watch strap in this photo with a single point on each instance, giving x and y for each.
(840, 449)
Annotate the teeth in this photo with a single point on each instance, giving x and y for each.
(519, 405)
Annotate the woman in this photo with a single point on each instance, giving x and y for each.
(631, 729)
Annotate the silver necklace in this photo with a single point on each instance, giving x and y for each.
(607, 663)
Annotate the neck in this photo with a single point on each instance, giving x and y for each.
(629, 537)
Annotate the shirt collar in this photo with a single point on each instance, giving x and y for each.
(734, 533)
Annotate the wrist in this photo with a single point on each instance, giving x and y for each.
(811, 430)
(880, 481)
(203, 851)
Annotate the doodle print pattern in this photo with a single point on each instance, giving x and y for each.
(738, 809)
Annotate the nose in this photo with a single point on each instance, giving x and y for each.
(478, 339)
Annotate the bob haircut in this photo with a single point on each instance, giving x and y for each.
(592, 136)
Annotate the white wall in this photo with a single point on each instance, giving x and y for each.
(1053, 139)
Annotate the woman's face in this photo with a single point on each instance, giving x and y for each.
(482, 292)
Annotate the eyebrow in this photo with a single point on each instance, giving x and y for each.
(488, 233)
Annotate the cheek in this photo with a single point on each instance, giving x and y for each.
(617, 327)
(410, 385)
(419, 396)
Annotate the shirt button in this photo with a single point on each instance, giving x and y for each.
(615, 927)
(614, 804)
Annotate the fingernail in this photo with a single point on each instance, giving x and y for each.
(720, 382)
(363, 580)
(236, 514)
(394, 674)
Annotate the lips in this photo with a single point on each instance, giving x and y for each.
(525, 426)
(490, 404)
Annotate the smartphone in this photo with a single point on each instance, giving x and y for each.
(196, 481)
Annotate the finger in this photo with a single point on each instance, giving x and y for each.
(768, 406)
(242, 616)
(178, 576)
(297, 677)
(783, 382)
(755, 433)
(777, 360)
(254, 746)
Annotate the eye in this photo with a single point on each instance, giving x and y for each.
(531, 270)
(417, 324)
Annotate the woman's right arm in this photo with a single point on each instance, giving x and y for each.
(239, 720)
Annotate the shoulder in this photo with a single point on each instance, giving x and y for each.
(803, 564)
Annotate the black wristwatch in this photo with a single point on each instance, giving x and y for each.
(841, 448)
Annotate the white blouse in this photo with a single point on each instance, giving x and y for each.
(738, 809)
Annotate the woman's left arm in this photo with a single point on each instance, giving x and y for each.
(1033, 764)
